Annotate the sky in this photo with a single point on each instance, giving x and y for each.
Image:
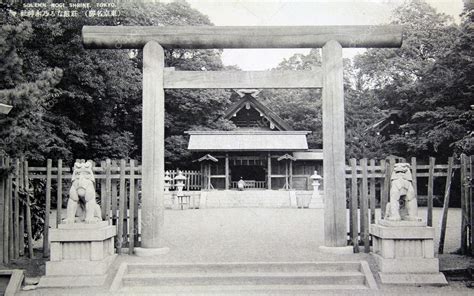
(298, 13)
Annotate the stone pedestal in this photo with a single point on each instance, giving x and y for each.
(80, 255)
(404, 252)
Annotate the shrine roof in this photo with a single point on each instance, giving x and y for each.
(239, 140)
(249, 98)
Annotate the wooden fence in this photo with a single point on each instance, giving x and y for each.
(119, 182)
(193, 179)
(15, 212)
(369, 186)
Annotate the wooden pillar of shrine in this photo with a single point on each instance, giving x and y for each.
(291, 173)
(269, 171)
(208, 174)
(227, 177)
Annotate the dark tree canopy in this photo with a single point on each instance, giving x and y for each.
(70, 102)
(429, 79)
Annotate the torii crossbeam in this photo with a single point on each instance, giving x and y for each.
(156, 78)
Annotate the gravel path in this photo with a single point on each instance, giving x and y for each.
(262, 234)
(237, 234)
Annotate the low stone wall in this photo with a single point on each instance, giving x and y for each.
(243, 199)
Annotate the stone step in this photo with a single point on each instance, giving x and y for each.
(273, 278)
(244, 267)
(243, 289)
(252, 277)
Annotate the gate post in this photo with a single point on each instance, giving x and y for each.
(153, 151)
(335, 235)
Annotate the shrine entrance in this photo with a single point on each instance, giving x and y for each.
(156, 78)
(254, 176)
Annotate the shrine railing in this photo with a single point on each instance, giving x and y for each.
(250, 184)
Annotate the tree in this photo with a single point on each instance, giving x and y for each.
(300, 108)
(422, 79)
(92, 107)
(450, 88)
(30, 129)
(361, 112)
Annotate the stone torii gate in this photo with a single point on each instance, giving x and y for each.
(156, 78)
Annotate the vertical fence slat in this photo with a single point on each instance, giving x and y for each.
(372, 192)
(444, 214)
(429, 218)
(190, 180)
(114, 197)
(47, 209)
(186, 182)
(135, 222)
(108, 185)
(114, 194)
(29, 232)
(59, 193)
(122, 212)
(193, 187)
(195, 181)
(414, 174)
(385, 187)
(131, 202)
(16, 211)
(10, 211)
(103, 192)
(348, 197)
(471, 206)
(4, 213)
(463, 205)
(22, 208)
(364, 203)
(22, 231)
(354, 205)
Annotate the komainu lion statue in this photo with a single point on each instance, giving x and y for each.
(82, 195)
(403, 204)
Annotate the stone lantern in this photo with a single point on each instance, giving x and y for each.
(167, 181)
(179, 183)
(316, 183)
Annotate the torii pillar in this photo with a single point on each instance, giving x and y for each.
(155, 79)
(153, 151)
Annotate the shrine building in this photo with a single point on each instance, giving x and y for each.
(264, 150)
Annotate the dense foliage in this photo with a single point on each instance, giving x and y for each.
(429, 79)
(300, 108)
(70, 102)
